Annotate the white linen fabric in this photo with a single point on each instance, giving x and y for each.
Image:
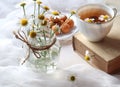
(66, 5)
(14, 75)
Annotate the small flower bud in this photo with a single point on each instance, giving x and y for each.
(44, 22)
(41, 17)
(39, 2)
(32, 34)
(55, 13)
(46, 8)
(22, 4)
(73, 12)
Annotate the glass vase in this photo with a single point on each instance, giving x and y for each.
(43, 58)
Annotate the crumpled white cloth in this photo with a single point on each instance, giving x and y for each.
(14, 75)
(86, 76)
(67, 5)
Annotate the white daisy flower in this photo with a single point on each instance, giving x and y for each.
(104, 18)
(89, 20)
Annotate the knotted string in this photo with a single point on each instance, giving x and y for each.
(34, 49)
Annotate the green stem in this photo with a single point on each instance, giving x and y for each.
(34, 8)
(38, 10)
(34, 11)
(43, 12)
(51, 34)
(70, 16)
(44, 36)
(33, 17)
(40, 41)
(24, 12)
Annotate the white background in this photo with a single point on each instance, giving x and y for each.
(14, 75)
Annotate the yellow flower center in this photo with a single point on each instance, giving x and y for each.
(55, 13)
(106, 17)
(41, 17)
(33, 34)
(39, 2)
(89, 20)
(87, 58)
(72, 78)
(22, 4)
(23, 21)
(73, 12)
(46, 8)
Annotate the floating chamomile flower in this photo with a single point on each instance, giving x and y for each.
(89, 20)
(104, 18)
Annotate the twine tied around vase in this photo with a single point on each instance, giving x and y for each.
(34, 49)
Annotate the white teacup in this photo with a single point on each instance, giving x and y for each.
(95, 31)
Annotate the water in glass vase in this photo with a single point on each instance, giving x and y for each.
(45, 60)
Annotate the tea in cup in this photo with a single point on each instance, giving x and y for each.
(95, 20)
